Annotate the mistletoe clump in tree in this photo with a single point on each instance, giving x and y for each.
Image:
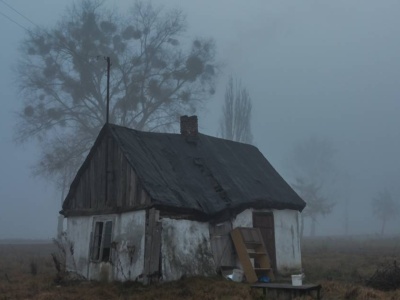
(155, 76)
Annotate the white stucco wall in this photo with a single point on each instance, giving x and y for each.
(244, 219)
(287, 241)
(130, 237)
(185, 245)
(185, 249)
(287, 237)
(78, 232)
(127, 259)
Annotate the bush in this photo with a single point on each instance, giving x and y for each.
(33, 268)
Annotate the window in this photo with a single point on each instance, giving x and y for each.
(101, 244)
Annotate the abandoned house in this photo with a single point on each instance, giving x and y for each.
(153, 206)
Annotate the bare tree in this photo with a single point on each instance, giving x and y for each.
(317, 203)
(384, 208)
(235, 123)
(312, 167)
(62, 79)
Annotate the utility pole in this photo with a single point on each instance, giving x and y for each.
(108, 87)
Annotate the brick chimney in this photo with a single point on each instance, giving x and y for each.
(189, 126)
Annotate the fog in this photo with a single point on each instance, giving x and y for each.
(329, 69)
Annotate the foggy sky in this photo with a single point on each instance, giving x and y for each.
(313, 68)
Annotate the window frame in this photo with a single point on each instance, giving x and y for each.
(98, 239)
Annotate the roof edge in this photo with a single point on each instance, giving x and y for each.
(180, 212)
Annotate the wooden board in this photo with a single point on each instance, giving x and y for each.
(152, 247)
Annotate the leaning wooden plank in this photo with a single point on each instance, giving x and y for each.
(243, 256)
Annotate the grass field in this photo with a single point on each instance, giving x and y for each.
(341, 265)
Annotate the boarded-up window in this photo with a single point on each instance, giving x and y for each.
(101, 244)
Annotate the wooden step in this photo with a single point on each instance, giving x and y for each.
(252, 252)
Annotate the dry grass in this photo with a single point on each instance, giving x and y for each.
(340, 265)
(17, 281)
(352, 259)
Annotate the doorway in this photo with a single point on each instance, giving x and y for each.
(265, 222)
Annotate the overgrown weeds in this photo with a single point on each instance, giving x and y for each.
(340, 265)
(65, 250)
(386, 277)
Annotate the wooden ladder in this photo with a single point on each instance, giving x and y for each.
(252, 253)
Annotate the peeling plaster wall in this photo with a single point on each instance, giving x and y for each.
(185, 245)
(287, 241)
(127, 259)
(78, 232)
(185, 249)
(244, 219)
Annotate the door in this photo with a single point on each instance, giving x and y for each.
(221, 244)
(265, 222)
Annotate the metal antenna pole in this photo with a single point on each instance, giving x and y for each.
(107, 121)
(108, 87)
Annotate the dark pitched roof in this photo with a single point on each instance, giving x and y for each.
(204, 174)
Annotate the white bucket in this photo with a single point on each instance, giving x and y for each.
(297, 280)
(237, 275)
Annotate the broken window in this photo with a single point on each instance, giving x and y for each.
(101, 244)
